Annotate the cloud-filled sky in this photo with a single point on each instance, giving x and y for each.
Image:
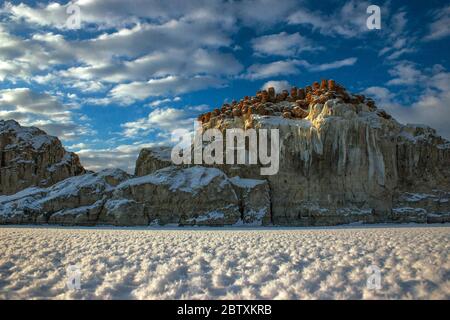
(135, 70)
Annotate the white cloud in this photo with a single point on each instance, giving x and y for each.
(282, 44)
(430, 107)
(137, 53)
(398, 39)
(273, 69)
(171, 85)
(291, 67)
(122, 156)
(277, 85)
(159, 64)
(118, 13)
(158, 103)
(163, 119)
(20, 58)
(332, 65)
(405, 73)
(347, 21)
(440, 27)
(380, 94)
(41, 110)
(77, 146)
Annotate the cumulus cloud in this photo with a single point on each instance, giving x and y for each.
(405, 73)
(347, 21)
(282, 44)
(440, 27)
(159, 64)
(164, 119)
(136, 53)
(277, 85)
(158, 103)
(291, 67)
(117, 13)
(272, 69)
(430, 107)
(380, 94)
(42, 110)
(122, 156)
(21, 58)
(171, 85)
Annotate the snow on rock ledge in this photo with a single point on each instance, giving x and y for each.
(185, 196)
(181, 196)
(76, 200)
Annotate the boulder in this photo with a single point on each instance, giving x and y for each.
(331, 85)
(301, 94)
(294, 93)
(271, 91)
(153, 159)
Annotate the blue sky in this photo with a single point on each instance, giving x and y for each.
(136, 70)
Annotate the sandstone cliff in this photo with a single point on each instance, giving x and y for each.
(29, 157)
(342, 160)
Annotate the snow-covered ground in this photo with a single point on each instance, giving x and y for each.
(327, 263)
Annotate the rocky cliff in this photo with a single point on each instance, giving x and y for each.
(342, 160)
(30, 157)
(179, 196)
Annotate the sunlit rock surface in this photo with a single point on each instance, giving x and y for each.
(30, 157)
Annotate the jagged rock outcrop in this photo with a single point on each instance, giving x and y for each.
(173, 195)
(30, 157)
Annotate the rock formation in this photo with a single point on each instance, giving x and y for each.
(152, 159)
(173, 195)
(29, 157)
(342, 160)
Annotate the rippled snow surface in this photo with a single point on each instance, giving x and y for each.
(225, 264)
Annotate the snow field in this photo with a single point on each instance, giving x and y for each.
(225, 264)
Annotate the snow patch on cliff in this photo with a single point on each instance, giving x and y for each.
(186, 180)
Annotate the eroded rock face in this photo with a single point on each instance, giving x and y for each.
(254, 201)
(342, 159)
(344, 163)
(152, 159)
(75, 201)
(185, 196)
(30, 157)
(173, 195)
